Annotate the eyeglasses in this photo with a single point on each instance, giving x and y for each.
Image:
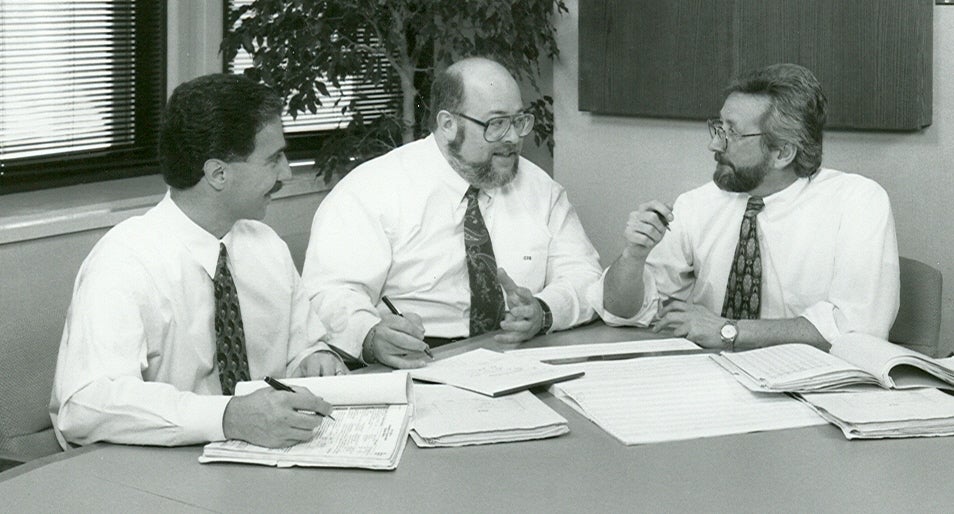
(496, 128)
(717, 130)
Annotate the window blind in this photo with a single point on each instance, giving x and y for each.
(82, 83)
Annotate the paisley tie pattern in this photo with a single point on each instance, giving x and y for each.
(230, 354)
(743, 292)
(486, 298)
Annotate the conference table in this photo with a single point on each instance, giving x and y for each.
(811, 469)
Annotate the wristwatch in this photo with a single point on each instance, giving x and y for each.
(547, 317)
(729, 332)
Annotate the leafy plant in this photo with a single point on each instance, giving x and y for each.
(300, 47)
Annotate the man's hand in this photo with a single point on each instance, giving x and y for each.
(271, 418)
(694, 322)
(525, 317)
(321, 364)
(645, 228)
(397, 341)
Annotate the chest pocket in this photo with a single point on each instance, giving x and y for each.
(524, 258)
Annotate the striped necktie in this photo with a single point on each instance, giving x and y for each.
(486, 298)
(743, 292)
(230, 354)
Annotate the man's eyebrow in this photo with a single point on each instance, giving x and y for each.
(277, 152)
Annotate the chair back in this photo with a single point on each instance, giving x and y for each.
(26, 378)
(918, 324)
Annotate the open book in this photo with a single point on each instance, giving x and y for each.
(448, 416)
(854, 359)
(371, 414)
(493, 373)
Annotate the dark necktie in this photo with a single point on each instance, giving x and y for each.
(230, 355)
(486, 298)
(743, 292)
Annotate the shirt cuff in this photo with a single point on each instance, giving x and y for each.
(826, 318)
(207, 415)
(349, 340)
(647, 311)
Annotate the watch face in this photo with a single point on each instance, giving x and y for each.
(728, 332)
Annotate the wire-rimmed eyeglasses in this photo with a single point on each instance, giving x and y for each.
(717, 130)
(496, 128)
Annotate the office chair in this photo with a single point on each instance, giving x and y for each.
(26, 378)
(918, 324)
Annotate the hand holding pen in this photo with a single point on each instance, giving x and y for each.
(323, 408)
(646, 227)
(397, 340)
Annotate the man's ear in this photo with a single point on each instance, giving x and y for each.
(786, 154)
(214, 170)
(447, 124)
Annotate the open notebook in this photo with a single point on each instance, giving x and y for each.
(372, 417)
(854, 359)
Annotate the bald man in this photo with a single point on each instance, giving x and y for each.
(459, 232)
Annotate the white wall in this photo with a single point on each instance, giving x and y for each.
(610, 164)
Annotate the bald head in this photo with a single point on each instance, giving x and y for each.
(469, 83)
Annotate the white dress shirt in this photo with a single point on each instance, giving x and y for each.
(828, 246)
(394, 226)
(136, 362)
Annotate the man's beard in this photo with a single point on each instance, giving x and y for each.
(738, 179)
(481, 174)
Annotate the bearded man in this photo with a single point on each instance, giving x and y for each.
(461, 234)
(776, 249)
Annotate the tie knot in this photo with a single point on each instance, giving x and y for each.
(754, 206)
(223, 262)
(471, 194)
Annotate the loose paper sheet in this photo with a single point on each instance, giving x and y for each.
(657, 399)
(492, 373)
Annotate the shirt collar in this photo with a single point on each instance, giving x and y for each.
(788, 194)
(446, 173)
(203, 246)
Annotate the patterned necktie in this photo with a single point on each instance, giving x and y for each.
(743, 292)
(486, 298)
(230, 352)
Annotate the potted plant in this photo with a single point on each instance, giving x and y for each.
(300, 47)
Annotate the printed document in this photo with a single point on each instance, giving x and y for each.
(656, 399)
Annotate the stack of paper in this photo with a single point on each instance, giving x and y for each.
(448, 416)
(656, 399)
(872, 413)
(371, 414)
(492, 373)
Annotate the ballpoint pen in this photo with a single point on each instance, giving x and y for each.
(663, 219)
(323, 410)
(396, 312)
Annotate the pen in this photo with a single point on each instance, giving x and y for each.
(663, 220)
(324, 409)
(393, 309)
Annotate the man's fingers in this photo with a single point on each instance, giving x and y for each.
(520, 325)
(515, 294)
(410, 324)
(506, 282)
(401, 362)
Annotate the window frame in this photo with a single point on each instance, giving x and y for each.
(141, 158)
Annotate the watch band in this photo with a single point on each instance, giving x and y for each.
(547, 317)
